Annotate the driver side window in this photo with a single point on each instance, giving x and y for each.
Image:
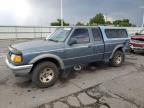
(81, 35)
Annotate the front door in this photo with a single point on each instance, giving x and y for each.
(82, 51)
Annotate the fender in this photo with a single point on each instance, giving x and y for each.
(48, 56)
(117, 47)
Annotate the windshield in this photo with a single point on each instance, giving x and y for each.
(59, 35)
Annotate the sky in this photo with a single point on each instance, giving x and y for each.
(42, 12)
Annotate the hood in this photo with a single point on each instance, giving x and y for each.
(38, 45)
(138, 37)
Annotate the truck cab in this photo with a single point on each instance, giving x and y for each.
(67, 47)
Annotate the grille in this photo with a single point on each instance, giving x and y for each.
(138, 41)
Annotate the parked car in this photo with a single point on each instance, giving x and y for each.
(68, 47)
(137, 41)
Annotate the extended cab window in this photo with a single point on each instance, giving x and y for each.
(96, 34)
(81, 35)
(116, 33)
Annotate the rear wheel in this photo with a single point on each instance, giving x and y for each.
(45, 74)
(117, 59)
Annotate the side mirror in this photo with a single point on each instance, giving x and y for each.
(72, 41)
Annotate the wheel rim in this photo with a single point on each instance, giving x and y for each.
(119, 59)
(46, 75)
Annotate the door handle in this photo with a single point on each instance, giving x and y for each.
(60, 51)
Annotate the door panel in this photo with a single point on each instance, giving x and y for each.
(98, 44)
(80, 52)
(99, 51)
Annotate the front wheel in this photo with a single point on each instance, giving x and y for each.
(45, 74)
(117, 59)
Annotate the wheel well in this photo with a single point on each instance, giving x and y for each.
(46, 59)
(119, 49)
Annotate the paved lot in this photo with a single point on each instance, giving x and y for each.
(99, 86)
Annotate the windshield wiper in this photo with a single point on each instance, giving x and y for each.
(53, 40)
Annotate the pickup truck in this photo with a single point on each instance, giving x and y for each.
(68, 47)
(137, 42)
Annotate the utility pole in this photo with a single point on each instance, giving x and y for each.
(61, 13)
(106, 18)
(143, 21)
(142, 7)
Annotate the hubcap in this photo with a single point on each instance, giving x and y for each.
(119, 59)
(46, 75)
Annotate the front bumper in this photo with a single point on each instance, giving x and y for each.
(23, 70)
(136, 48)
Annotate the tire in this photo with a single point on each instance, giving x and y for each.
(117, 59)
(132, 51)
(45, 74)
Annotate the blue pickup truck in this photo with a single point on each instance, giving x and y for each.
(68, 47)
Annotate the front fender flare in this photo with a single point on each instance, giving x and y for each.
(60, 61)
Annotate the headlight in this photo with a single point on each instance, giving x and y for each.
(16, 58)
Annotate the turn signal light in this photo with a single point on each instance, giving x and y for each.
(16, 58)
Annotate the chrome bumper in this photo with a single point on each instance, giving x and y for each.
(136, 48)
(19, 70)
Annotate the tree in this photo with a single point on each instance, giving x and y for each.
(97, 20)
(122, 23)
(79, 24)
(58, 23)
(108, 23)
(116, 22)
